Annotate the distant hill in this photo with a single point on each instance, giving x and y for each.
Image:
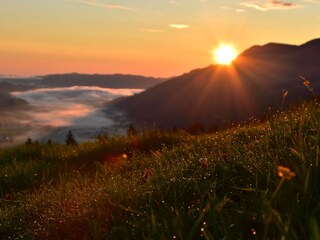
(9, 103)
(8, 87)
(99, 80)
(106, 81)
(219, 95)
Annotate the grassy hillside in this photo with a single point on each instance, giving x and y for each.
(170, 185)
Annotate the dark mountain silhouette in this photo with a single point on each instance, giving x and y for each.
(8, 87)
(218, 95)
(106, 81)
(77, 79)
(10, 103)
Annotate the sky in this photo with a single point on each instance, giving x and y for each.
(161, 38)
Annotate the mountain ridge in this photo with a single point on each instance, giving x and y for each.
(219, 95)
(80, 79)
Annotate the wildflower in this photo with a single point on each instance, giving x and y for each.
(124, 156)
(7, 197)
(306, 83)
(204, 163)
(224, 156)
(285, 173)
(147, 173)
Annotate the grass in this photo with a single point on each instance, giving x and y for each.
(170, 185)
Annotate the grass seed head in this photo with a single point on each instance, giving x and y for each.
(204, 163)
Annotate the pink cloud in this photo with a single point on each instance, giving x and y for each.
(104, 5)
(270, 5)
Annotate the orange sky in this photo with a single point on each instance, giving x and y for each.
(155, 38)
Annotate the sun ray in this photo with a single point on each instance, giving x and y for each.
(224, 54)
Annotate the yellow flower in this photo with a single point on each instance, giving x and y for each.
(7, 197)
(306, 83)
(285, 173)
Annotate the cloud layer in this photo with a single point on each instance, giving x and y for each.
(78, 108)
(179, 26)
(270, 5)
(104, 5)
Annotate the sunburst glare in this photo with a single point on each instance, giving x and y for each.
(224, 54)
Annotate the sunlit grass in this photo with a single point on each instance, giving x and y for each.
(259, 181)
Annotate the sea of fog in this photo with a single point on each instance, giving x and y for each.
(55, 111)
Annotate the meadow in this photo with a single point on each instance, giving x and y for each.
(255, 181)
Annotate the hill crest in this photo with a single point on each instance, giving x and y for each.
(218, 95)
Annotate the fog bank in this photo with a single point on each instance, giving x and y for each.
(55, 111)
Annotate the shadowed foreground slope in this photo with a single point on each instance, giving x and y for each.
(259, 181)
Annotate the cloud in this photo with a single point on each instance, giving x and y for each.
(179, 26)
(270, 5)
(55, 111)
(104, 5)
(76, 106)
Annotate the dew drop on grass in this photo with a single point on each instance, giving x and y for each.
(232, 225)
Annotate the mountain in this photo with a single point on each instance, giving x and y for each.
(219, 95)
(99, 80)
(9, 103)
(105, 81)
(8, 87)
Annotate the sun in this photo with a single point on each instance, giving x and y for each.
(224, 54)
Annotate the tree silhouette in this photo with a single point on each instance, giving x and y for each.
(29, 141)
(70, 140)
